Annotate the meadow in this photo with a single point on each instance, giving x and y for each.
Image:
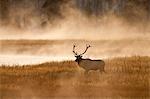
(125, 77)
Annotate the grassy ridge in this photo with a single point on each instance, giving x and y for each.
(124, 77)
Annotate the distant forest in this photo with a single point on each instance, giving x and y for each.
(24, 12)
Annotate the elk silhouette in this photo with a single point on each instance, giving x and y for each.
(88, 64)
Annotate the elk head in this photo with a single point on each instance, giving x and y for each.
(79, 56)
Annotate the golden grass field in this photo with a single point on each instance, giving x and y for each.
(126, 77)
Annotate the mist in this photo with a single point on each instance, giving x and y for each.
(74, 19)
(49, 28)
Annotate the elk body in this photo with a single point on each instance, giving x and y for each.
(89, 64)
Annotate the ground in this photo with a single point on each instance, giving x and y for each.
(125, 77)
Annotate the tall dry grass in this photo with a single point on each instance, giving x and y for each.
(126, 77)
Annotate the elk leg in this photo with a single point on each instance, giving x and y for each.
(100, 71)
(86, 72)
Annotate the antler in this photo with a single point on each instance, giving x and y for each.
(85, 49)
(74, 51)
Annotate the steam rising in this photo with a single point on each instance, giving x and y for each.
(65, 20)
(114, 30)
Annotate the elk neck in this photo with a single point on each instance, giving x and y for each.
(79, 61)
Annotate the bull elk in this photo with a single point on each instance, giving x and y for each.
(88, 64)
